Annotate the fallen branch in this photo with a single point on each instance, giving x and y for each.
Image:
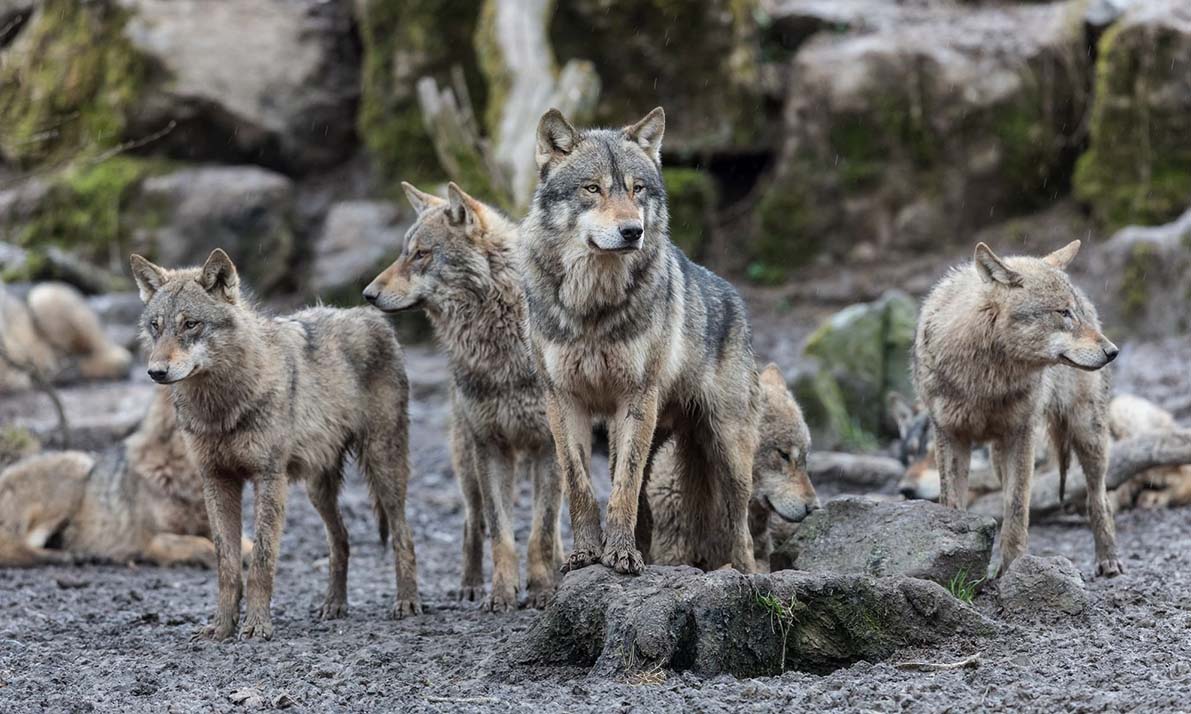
(968, 662)
(43, 385)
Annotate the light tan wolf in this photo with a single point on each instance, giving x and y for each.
(1001, 345)
(458, 264)
(781, 485)
(56, 334)
(141, 500)
(624, 327)
(274, 400)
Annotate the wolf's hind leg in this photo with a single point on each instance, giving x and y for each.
(545, 541)
(168, 549)
(385, 462)
(323, 491)
(1091, 448)
(496, 473)
(463, 458)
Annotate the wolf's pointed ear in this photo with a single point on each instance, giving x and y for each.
(556, 138)
(463, 210)
(1062, 257)
(993, 270)
(219, 277)
(772, 376)
(648, 132)
(420, 200)
(149, 278)
(901, 411)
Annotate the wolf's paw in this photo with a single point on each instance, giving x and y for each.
(580, 558)
(257, 626)
(1109, 568)
(470, 593)
(217, 631)
(501, 601)
(401, 608)
(624, 559)
(333, 608)
(538, 598)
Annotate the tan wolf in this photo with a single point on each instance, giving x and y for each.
(274, 400)
(1000, 346)
(625, 328)
(56, 334)
(141, 500)
(458, 264)
(781, 484)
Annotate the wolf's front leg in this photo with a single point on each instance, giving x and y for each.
(636, 421)
(545, 549)
(1091, 448)
(570, 424)
(496, 464)
(1016, 457)
(222, 495)
(270, 491)
(954, 457)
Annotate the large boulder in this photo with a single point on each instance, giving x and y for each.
(680, 619)
(358, 240)
(883, 538)
(243, 209)
(924, 128)
(1138, 167)
(1042, 588)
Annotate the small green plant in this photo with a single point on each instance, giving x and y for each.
(962, 588)
(781, 618)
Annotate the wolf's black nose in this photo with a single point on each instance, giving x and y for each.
(1111, 353)
(157, 374)
(631, 232)
(371, 296)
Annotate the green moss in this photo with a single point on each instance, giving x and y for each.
(16, 442)
(1135, 293)
(403, 42)
(692, 198)
(789, 231)
(67, 83)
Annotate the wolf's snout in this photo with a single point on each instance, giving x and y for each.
(371, 294)
(157, 374)
(1111, 352)
(631, 231)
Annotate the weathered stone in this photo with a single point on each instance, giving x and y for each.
(692, 197)
(883, 538)
(358, 240)
(927, 127)
(1138, 167)
(242, 209)
(1042, 588)
(725, 622)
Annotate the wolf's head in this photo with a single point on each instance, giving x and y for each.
(188, 313)
(780, 480)
(445, 249)
(600, 191)
(1040, 317)
(915, 449)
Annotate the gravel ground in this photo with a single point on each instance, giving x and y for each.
(107, 637)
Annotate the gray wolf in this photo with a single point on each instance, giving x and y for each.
(274, 400)
(781, 485)
(142, 500)
(1001, 345)
(625, 328)
(459, 265)
(55, 334)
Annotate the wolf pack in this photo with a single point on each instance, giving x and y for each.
(582, 318)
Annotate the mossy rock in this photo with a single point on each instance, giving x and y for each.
(1138, 167)
(403, 42)
(692, 196)
(68, 83)
(16, 442)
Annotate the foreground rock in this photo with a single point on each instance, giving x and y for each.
(1042, 588)
(885, 538)
(680, 619)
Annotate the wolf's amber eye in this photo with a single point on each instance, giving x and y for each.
(638, 189)
(1067, 314)
(190, 324)
(784, 454)
(592, 188)
(155, 326)
(420, 253)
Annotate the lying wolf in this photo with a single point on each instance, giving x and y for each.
(1000, 346)
(458, 263)
(781, 485)
(55, 334)
(140, 501)
(274, 400)
(625, 328)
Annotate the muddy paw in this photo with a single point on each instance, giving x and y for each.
(580, 558)
(538, 598)
(501, 602)
(406, 607)
(257, 626)
(217, 631)
(1109, 568)
(333, 608)
(625, 559)
(470, 593)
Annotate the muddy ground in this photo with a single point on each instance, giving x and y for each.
(115, 637)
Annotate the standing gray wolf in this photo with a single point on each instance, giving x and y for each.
(140, 500)
(458, 264)
(781, 485)
(273, 400)
(1000, 346)
(54, 333)
(624, 327)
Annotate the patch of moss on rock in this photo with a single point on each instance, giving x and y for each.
(692, 196)
(1134, 291)
(402, 43)
(791, 228)
(67, 83)
(1138, 167)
